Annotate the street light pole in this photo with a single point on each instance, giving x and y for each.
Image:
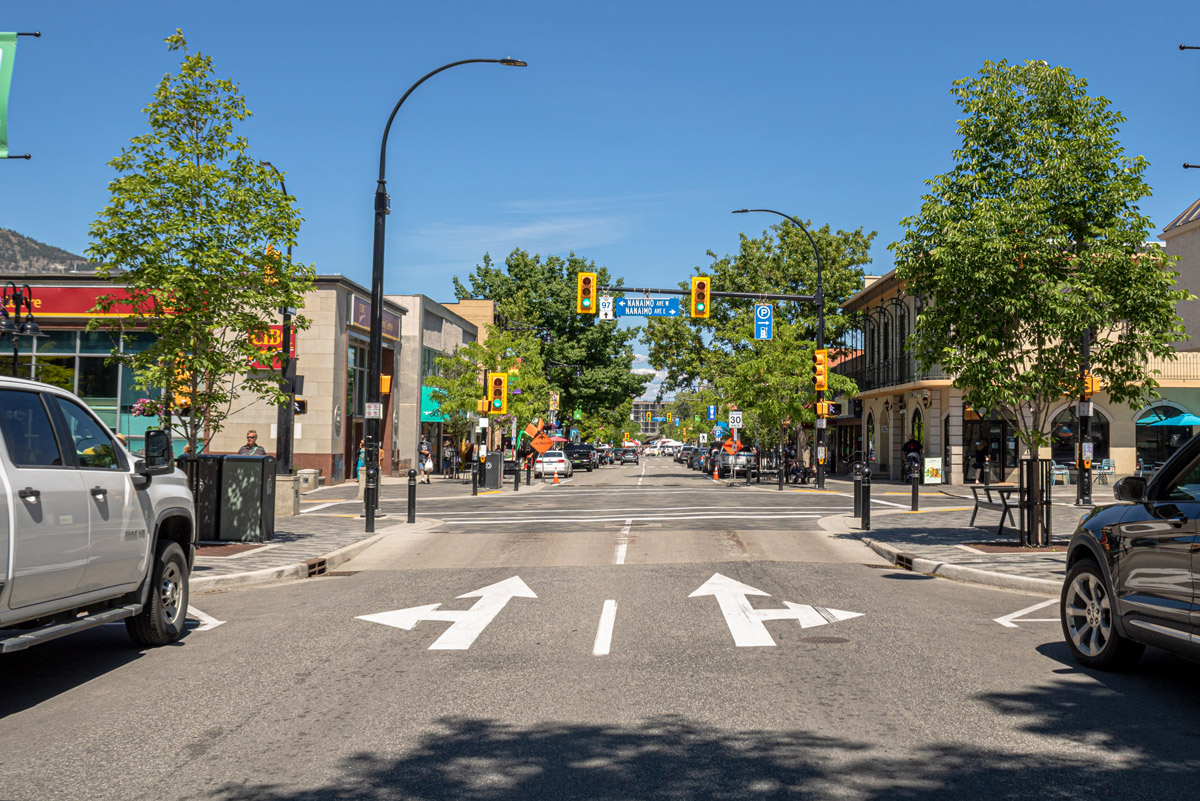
(286, 417)
(371, 443)
(819, 300)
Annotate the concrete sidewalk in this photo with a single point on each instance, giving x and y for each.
(941, 542)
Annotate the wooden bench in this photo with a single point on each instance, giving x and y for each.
(996, 498)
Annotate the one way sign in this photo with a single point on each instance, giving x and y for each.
(764, 321)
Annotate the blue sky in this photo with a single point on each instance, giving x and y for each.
(634, 131)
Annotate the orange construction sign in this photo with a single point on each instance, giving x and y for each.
(731, 447)
(534, 428)
(541, 443)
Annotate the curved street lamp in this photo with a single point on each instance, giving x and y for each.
(819, 300)
(371, 441)
(286, 415)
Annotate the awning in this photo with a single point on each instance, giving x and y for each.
(1185, 419)
(431, 411)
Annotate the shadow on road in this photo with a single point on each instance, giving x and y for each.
(1118, 737)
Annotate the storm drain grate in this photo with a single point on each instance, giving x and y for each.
(316, 567)
(904, 560)
(880, 567)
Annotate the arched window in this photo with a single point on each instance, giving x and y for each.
(1156, 443)
(1063, 433)
(918, 427)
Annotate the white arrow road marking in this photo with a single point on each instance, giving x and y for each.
(1007, 620)
(746, 623)
(467, 624)
(207, 622)
(608, 618)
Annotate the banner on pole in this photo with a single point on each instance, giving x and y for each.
(8, 53)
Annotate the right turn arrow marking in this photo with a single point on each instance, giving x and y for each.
(746, 623)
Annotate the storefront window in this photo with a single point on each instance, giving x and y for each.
(871, 437)
(57, 371)
(356, 381)
(1063, 433)
(1156, 443)
(994, 435)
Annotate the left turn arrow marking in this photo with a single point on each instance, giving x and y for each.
(466, 624)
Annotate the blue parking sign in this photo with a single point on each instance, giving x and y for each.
(764, 321)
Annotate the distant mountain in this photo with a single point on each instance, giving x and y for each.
(20, 254)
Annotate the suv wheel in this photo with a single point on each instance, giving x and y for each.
(1086, 610)
(161, 621)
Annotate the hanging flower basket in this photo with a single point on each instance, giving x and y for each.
(145, 407)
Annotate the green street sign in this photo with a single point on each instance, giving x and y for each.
(578, 414)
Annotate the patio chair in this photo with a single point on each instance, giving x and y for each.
(1059, 471)
(1107, 470)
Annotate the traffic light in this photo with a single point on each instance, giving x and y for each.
(1091, 385)
(299, 406)
(648, 414)
(833, 409)
(668, 417)
(585, 293)
(498, 393)
(700, 297)
(821, 370)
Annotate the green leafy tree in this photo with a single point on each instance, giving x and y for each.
(532, 293)
(458, 385)
(186, 233)
(770, 381)
(1033, 240)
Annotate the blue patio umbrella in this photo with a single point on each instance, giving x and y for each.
(1186, 419)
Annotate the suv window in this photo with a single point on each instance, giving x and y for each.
(27, 430)
(93, 446)
(1186, 486)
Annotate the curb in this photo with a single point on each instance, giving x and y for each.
(839, 524)
(971, 575)
(300, 570)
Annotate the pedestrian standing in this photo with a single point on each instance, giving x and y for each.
(251, 448)
(447, 458)
(425, 459)
(982, 457)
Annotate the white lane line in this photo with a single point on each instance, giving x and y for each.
(642, 476)
(622, 543)
(889, 503)
(207, 622)
(629, 511)
(608, 618)
(546, 519)
(1007, 620)
(324, 506)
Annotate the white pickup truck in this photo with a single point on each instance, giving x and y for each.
(89, 534)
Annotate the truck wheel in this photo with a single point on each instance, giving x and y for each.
(161, 621)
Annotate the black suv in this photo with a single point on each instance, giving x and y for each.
(582, 457)
(1132, 575)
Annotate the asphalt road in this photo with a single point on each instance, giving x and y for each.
(601, 667)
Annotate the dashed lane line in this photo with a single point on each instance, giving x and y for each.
(622, 543)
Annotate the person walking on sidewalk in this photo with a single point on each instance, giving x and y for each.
(425, 458)
(982, 457)
(447, 458)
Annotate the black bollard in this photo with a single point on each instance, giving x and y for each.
(412, 496)
(987, 471)
(858, 468)
(529, 471)
(865, 524)
(474, 476)
(517, 478)
(916, 481)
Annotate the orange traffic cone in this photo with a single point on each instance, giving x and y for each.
(555, 476)
(716, 473)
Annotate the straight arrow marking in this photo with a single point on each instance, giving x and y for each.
(746, 623)
(466, 624)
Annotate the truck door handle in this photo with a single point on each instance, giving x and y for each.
(98, 491)
(29, 492)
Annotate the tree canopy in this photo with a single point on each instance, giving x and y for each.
(769, 380)
(534, 293)
(1033, 239)
(193, 231)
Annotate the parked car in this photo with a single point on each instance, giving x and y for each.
(551, 462)
(683, 453)
(582, 456)
(1132, 571)
(89, 534)
(629, 455)
(736, 464)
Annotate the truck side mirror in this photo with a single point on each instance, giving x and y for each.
(159, 459)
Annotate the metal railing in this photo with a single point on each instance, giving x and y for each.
(886, 373)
